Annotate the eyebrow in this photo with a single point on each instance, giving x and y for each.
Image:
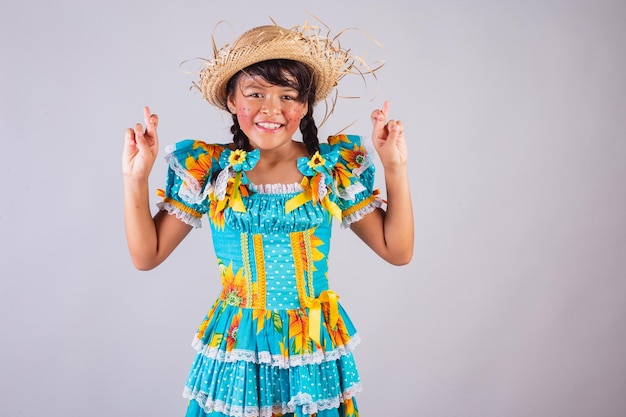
(256, 84)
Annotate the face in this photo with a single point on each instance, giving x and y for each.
(268, 114)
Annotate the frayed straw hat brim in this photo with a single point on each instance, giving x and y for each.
(327, 61)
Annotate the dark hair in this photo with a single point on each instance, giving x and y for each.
(281, 72)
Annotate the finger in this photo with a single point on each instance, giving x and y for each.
(151, 120)
(395, 124)
(140, 138)
(379, 116)
(130, 135)
(395, 127)
(385, 109)
(146, 114)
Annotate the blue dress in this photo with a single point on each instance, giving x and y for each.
(276, 341)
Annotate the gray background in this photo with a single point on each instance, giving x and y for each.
(515, 116)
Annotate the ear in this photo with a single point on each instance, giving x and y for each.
(232, 106)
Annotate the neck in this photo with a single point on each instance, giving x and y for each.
(288, 152)
(278, 165)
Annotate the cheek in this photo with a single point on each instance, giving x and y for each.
(243, 116)
(294, 115)
(243, 112)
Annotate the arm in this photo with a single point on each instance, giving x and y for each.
(390, 233)
(150, 240)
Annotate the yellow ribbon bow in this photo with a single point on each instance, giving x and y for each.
(310, 193)
(232, 198)
(315, 312)
(235, 201)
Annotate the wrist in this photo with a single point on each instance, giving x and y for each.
(135, 182)
(395, 170)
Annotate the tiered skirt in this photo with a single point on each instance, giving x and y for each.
(264, 363)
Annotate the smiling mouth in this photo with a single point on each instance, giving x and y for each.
(268, 125)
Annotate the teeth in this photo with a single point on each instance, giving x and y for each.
(268, 125)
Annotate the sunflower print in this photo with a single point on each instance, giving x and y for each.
(231, 340)
(261, 316)
(205, 323)
(213, 151)
(339, 333)
(298, 332)
(342, 176)
(354, 157)
(234, 286)
(200, 168)
(338, 140)
(316, 254)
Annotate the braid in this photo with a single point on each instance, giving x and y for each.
(309, 133)
(240, 139)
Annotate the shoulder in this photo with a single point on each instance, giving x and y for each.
(351, 151)
(194, 161)
(196, 149)
(191, 152)
(345, 140)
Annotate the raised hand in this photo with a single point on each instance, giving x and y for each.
(389, 232)
(388, 139)
(141, 147)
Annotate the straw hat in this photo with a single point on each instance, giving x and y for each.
(327, 61)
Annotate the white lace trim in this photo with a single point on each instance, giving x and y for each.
(190, 190)
(180, 214)
(301, 399)
(322, 190)
(279, 361)
(350, 192)
(221, 182)
(310, 407)
(359, 214)
(277, 188)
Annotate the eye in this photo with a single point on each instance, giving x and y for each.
(252, 92)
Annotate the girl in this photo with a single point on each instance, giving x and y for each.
(276, 342)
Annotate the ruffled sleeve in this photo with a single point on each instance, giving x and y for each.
(354, 179)
(191, 166)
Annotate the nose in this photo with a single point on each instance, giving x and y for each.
(271, 106)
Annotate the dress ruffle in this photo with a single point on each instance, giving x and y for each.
(239, 348)
(358, 214)
(180, 214)
(266, 336)
(233, 389)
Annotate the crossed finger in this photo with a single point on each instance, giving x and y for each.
(380, 115)
(151, 121)
(395, 126)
